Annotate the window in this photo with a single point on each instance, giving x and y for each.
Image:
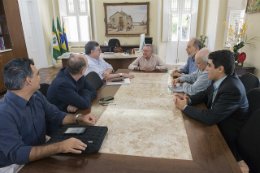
(181, 19)
(77, 20)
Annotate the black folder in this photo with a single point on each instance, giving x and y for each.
(93, 136)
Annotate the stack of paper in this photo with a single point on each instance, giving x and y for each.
(178, 89)
(125, 82)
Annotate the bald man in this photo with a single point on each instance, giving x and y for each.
(198, 80)
(70, 90)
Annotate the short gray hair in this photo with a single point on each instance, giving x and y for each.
(151, 46)
(16, 71)
(197, 43)
(204, 52)
(91, 45)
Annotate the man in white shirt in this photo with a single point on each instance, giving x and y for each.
(97, 64)
(149, 61)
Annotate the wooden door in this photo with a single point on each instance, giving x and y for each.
(5, 57)
(15, 28)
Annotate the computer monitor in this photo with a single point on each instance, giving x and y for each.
(142, 42)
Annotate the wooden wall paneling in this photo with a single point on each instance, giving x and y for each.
(5, 57)
(15, 28)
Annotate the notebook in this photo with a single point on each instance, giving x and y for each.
(93, 136)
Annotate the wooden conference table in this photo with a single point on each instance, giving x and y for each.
(209, 151)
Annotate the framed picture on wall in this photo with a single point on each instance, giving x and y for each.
(126, 19)
(253, 6)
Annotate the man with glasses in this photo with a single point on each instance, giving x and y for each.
(148, 62)
(70, 90)
(97, 64)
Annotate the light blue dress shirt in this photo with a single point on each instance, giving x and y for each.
(98, 66)
(216, 86)
(190, 66)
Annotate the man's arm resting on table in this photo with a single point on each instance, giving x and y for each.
(71, 145)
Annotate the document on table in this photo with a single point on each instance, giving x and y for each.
(178, 89)
(125, 82)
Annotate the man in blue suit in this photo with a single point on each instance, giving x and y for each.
(70, 90)
(225, 99)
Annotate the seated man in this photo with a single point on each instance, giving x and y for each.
(70, 90)
(198, 80)
(225, 99)
(148, 62)
(23, 112)
(97, 64)
(193, 46)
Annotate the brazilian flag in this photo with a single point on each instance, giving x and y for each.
(55, 42)
(61, 38)
(65, 38)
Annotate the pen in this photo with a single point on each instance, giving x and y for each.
(109, 104)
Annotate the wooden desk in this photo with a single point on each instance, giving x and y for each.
(209, 151)
(242, 70)
(117, 60)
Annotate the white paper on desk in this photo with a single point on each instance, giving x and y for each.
(178, 89)
(126, 82)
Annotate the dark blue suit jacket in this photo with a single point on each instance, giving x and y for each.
(64, 91)
(229, 109)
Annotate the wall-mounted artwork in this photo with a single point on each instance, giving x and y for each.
(253, 6)
(126, 19)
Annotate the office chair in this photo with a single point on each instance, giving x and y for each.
(112, 43)
(253, 97)
(44, 88)
(250, 81)
(249, 142)
(94, 80)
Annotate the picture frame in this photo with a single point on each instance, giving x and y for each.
(126, 19)
(252, 6)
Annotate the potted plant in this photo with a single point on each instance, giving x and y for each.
(237, 37)
(203, 40)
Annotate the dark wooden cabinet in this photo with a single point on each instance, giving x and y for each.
(11, 34)
(242, 70)
(125, 48)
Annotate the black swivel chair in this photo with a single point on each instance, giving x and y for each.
(253, 97)
(250, 81)
(44, 88)
(94, 80)
(112, 43)
(249, 142)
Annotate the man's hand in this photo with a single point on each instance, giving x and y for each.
(72, 145)
(180, 101)
(144, 68)
(174, 82)
(90, 119)
(128, 75)
(175, 73)
(150, 69)
(71, 108)
(105, 73)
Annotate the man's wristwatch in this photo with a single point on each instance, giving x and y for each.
(121, 75)
(77, 116)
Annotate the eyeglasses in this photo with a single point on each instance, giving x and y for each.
(99, 50)
(146, 51)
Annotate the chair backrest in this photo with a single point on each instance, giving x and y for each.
(250, 81)
(94, 80)
(112, 43)
(249, 142)
(44, 88)
(253, 97)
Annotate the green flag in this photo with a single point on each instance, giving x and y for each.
(55, 42)
(61, 38)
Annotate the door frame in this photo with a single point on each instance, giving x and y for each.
(41, 60)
